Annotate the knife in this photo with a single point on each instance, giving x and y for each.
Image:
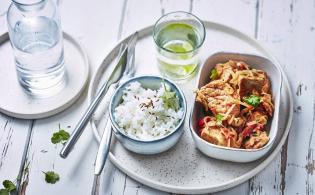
(130, 70)
(105, 141)
(115, 76)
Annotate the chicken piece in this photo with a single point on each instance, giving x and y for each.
(266, 103)
(216, 96)
(213, 135)
(235, 121)
(217, 87)
(258, 117)
(221, 105)
(255, 122)
(227, 70)
(242, 66)
(220, 97)
(258, 81)
(256, 140)
(217, 134)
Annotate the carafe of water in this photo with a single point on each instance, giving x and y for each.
(36, 38)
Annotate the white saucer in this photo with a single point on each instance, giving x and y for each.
(14, 101)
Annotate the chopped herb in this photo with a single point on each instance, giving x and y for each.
(4, 192)
(51, 177)
(9, 185)
(253, 100)
(255, 134)
(219, 118)
(60, 137)
(246, 138)
(170, 99)
(214, 74)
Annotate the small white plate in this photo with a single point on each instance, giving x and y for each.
(184, 169)
(15, 102)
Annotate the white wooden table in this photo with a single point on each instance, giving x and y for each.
(286, 27)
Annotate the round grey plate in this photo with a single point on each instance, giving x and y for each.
(183, 169)
(15, 102)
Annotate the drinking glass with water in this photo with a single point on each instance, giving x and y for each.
(36, 39)
(178, 37)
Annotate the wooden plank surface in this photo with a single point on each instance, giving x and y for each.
(97, 31)
(287, 27)
(292, 41)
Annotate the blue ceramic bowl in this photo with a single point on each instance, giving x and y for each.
(157, 145)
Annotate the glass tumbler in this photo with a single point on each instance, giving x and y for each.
(178, 37)
(37, 42)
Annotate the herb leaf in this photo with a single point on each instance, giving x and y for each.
(4, 192)
(51, 177)
(214, 74)
(9, 185)
(219, 118)
(253, 100)
(60, 137)
(170, 100)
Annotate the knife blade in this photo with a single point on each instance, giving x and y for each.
(130, 71)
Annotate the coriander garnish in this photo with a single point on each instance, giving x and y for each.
(219, 119)
(253, 100)
(170, 98)
(9, 186)
(214, 74)
(60, 137)
(51, 177)
(4, 192)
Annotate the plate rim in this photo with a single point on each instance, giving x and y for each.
(39, 115)
(225, 185)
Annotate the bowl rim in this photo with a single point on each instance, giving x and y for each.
(191, 128)
(177, 128)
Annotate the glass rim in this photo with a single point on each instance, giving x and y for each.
(27, 3)
(183, 12)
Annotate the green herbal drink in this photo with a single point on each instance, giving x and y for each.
(178, 39)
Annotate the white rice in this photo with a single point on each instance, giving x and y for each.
(142, 114)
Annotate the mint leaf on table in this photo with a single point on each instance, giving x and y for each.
(4, 192)
(51, 177)
(9, 185)
(60, 137)
(253, 100)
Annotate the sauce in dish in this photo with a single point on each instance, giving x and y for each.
(148, 114)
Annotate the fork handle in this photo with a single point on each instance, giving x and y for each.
(83, 121)
(103, 149)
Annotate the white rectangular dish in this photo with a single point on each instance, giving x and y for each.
(197, 112)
